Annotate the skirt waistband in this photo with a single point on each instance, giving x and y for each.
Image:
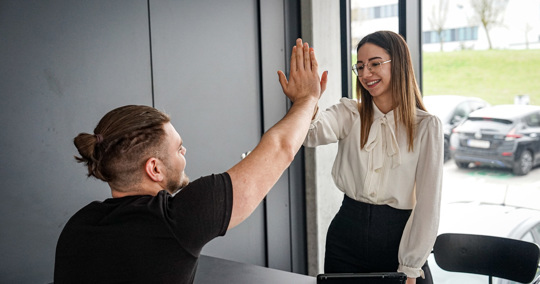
(353, 208)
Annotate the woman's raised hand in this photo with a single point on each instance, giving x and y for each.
(304, 80)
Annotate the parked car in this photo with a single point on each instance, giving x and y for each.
(484, 219)
(452, 110)
(504, 136)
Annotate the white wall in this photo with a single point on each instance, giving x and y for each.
(320, 27)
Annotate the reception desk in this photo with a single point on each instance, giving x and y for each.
(213, 270)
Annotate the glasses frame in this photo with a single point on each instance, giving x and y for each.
(356, 72)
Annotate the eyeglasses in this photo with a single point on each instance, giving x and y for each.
(372, 66)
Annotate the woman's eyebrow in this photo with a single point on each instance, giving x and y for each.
(372, 58)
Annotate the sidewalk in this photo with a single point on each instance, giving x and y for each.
(491, 186)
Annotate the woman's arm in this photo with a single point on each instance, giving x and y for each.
(333, 124)
(421, 230)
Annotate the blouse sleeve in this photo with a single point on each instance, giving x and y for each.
(333, 124)
(421, 229)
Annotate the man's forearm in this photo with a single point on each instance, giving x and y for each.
(292, 129)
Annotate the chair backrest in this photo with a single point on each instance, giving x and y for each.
(487, 255)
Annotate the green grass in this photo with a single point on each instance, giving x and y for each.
(496, 76)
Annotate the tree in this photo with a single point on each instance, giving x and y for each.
(437, 20)
(489, 13)
(528, 29)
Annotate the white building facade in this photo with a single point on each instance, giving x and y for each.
(517, 27)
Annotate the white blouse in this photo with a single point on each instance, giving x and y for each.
(386, 172)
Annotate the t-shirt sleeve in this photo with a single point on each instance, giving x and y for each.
(202, 210)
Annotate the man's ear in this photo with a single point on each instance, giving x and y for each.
(154, 169)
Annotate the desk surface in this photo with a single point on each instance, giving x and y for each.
(217, 270)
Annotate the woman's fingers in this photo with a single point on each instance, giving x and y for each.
(303, 62)
(299, 55)
(293, 60)
(307, 63)
(314, 63)
(304, 80)
(305, 56)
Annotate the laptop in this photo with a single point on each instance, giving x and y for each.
(362, 278)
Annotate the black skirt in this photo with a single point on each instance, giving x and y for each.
(365, 238)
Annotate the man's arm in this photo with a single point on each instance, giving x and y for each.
(254, 176)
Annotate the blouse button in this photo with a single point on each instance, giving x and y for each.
(377, 170)
(372, 194)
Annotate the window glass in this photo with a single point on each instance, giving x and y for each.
(498, 62)
(528, 237)
(368, 17)
(462, 109)
(463, 56)
(534, 120)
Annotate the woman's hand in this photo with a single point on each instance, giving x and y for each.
(304, 79)
(411, 280)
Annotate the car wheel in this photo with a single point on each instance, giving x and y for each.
(524, 163)
(462, 165)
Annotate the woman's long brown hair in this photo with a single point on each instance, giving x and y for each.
(406, 95)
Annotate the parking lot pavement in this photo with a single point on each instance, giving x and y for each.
(491, 185)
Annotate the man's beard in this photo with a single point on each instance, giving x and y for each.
(175, 185)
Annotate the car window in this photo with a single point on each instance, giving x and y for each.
(474, 124)
(533, 120)
(477, 105)
(462, 110)
(536, 233)
(528, 237)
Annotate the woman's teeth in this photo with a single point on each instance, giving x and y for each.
(373, 82)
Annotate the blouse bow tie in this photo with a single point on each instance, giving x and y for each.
(381, 130)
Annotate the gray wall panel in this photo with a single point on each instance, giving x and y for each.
(207, 76)
(63, 64)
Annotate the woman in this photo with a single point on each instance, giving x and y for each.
(389, 165)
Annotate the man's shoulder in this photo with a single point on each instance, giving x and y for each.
(96, 211)
(211, 181)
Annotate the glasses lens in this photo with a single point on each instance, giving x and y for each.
(374, 66)
(358, 69)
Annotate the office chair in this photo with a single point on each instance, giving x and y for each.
(492, 256)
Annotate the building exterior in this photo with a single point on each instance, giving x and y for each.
(517, 27)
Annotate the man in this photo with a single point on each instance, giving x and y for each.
(146, 235)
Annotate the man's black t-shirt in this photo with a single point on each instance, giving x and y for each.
(144, 239)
